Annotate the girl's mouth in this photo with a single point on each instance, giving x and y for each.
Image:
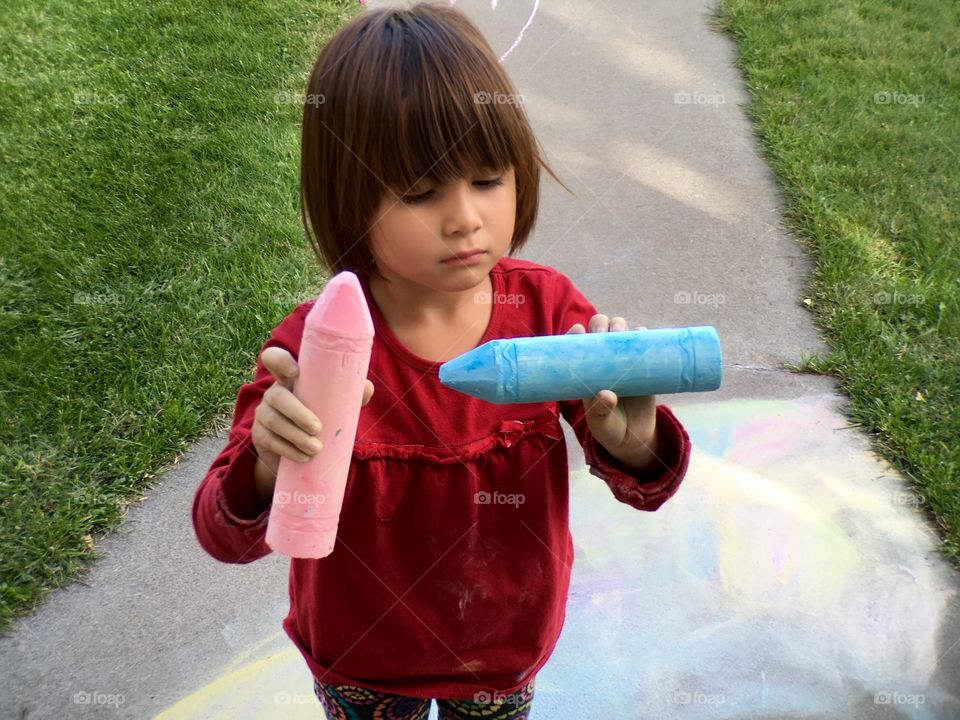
(471, 257)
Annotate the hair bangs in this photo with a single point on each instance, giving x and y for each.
(442, 124)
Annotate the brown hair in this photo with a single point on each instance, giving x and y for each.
(397, 95)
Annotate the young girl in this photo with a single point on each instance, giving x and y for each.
(452, 562)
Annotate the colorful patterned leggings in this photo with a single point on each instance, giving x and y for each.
(350, 702)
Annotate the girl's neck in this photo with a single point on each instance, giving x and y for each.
(404, 307)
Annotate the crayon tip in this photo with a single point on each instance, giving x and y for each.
(342, 308)
(480, 372)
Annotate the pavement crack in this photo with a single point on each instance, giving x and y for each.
(758, 368)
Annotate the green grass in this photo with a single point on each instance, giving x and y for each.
(149, 233)
(857, 104)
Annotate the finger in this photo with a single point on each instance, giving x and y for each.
(617, 323)
(598, 407)
(284, 449)
(599, 323)
(604, 403)
(640, 327)
(577, 328)
(270, 445)
(281, 365)
(367, 392)
(284, 429)
(289, 406)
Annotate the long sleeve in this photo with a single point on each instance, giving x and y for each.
(226, 519)
(650, 490)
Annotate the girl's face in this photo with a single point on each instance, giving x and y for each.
(415, 239)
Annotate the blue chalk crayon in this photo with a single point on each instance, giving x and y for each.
(578, 366)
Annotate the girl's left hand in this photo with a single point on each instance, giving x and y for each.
(626, 427)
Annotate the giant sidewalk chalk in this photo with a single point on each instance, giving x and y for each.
(334, 358)
(578, 366)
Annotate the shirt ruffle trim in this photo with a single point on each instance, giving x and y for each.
(509, 433)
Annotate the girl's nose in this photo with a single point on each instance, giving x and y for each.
(460, 210)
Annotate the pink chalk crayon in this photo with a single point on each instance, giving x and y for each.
(334, 358)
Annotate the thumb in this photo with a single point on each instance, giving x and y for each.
(281, 365)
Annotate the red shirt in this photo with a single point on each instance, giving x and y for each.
(430, 591)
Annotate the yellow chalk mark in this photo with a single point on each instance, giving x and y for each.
(278, 685)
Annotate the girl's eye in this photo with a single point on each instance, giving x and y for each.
(491, 183)
(414, 199)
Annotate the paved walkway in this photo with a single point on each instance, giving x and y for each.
(792, 576)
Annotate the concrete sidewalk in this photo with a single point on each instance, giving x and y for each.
(791, 576)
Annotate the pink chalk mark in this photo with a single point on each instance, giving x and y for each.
(493, 6)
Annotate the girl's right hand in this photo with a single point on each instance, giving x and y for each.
(282, 425)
